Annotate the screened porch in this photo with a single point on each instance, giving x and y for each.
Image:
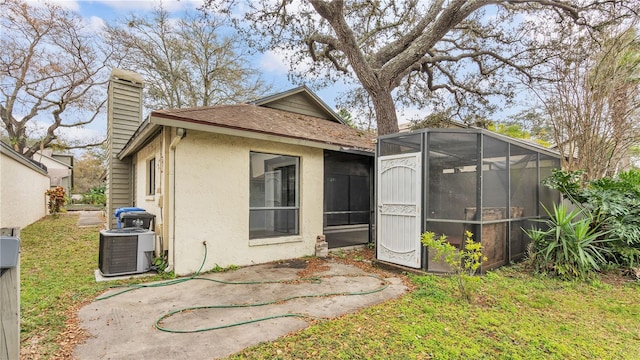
(437, 179)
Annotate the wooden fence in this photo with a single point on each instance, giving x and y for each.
(10, 307)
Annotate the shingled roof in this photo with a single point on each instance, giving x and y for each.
(294, 116)
(264, 120)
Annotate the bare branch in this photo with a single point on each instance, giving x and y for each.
(50, 65)
(190, 62)
(407, 47)
(85, 146)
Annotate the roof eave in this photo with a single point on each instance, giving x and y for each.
(190, 124)
(54, 160)
(8, 151)
(140, 138)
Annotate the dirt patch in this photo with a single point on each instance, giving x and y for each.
(71, 336)
(66, 340)
(364, 259)
(291, 264)
(621, 277)
(313, 266)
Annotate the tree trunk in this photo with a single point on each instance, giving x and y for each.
(385, 112)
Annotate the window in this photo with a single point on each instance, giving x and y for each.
(273, 195)
(151, 177)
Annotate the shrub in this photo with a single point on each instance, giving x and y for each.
(570, 247)
(464, 263)
(614, 207)
(569, 183)
(96, 196)
(56, 199)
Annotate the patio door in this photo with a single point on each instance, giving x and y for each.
(348, 194)
(399, 209)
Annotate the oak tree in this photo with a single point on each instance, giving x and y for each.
(50, 67)
(406, 52)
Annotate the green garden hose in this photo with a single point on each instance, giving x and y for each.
(195, 276)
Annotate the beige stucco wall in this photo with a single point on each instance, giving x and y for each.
(142, 200)
(212, 202)
(22, 193)
(150, 203)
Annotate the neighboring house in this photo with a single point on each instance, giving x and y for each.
(257, 182)
(59, 168)
(23, 184)
(571, 151)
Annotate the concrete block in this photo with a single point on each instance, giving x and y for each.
(322, 249)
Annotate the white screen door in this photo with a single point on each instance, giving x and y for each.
(399, 213)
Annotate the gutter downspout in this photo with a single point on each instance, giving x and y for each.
(180, 134)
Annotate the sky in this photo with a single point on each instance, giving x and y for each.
(97, 12)
(271, 65)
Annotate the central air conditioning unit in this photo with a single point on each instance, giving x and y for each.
(126, 251)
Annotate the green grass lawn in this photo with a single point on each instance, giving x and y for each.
(56, 273)
(514, 315)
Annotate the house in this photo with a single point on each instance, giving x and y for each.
(253, 182)
(59, 168)
(23, 183)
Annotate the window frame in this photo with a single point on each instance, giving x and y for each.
(151, 177)
(284, 210)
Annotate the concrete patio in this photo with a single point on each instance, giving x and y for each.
(123, 326)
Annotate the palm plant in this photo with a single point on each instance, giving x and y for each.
(569, 247)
